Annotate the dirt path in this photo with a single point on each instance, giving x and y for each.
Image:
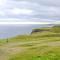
(6, 51)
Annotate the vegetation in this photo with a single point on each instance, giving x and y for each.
(40, 45)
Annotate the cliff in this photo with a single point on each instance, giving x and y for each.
(55, 29)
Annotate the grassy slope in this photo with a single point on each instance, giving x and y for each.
(38, 46)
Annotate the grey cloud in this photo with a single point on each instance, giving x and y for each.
(43, 9)
(45, 2)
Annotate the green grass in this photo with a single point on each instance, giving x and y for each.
(2, 42)
(40, 53)
(37, 46)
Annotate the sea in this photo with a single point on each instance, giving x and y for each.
(11, 30)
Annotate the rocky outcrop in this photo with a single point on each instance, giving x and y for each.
(55, 29)
(39, 30)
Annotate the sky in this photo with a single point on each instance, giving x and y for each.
(30, 11)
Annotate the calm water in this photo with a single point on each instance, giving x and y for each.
(13, 30)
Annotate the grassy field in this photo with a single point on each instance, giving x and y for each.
(43, 45)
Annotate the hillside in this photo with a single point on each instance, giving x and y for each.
(47, 29)
(41, 44)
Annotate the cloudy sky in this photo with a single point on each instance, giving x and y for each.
(29, 11)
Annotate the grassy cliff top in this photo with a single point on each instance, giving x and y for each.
(55, 29)
(43, 45)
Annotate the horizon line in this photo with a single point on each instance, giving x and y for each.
(30, 22)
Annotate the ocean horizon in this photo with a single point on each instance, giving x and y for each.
(7, 31)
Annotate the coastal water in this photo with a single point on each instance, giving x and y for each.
(7, 31)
